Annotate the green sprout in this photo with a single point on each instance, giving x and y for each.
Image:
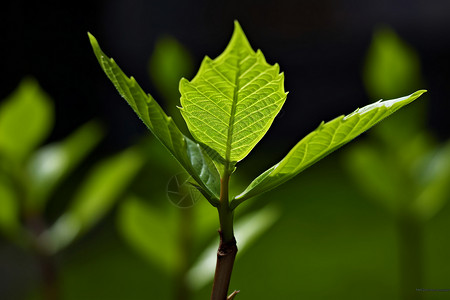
(228, 107)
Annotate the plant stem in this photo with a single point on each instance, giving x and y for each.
(49, 278)
(410, 255)
(227, 247)
(47, 265)
(183, 291)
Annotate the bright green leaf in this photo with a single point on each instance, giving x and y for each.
(188, 153)
(151, 232)
(232, 101)
(321, 142)
(105, 184)
(49, 165)
(26, 118)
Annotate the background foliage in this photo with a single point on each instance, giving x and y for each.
(332, 239)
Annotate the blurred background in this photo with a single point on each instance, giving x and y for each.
(84, 206)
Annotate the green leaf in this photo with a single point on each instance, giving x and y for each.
(321, 142)
(26, 118)
(169, 62)
(392, 66)
(105, 184)
(189, 154)
(232, 101)
(154, 231)
(151, 232)
(434, 183)
(9, 209)
(49, 165)
(380, 175)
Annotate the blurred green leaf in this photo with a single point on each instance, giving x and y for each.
(154, 232)
(321, 142)
(409, 154)
(49, 165)
(169, 62)
(434, 183)
(9, 209)
(151, 232)
(26, 118)
(188, 153)
(392, 67)
(205, 223)
(408, 174)
(379, 175)
(105, 184)
(247, 230)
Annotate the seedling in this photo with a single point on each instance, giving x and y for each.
(228, 107)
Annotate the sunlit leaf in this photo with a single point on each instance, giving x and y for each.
(321, 142)
(49, 165)
(105, 184)
(232, 101)
(26, 118)
(188, 153)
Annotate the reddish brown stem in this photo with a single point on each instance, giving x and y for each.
(49, 278)
(224, 266)
(46, 261)
(227, 247)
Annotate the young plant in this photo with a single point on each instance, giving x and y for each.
(228, 107)
(181, 243)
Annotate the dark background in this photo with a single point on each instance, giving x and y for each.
(320, 45)
(329, 243)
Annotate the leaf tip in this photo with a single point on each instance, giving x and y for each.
(182, 84)
(237, 26)
(92, 40)
(239, 37)
(419, 93)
